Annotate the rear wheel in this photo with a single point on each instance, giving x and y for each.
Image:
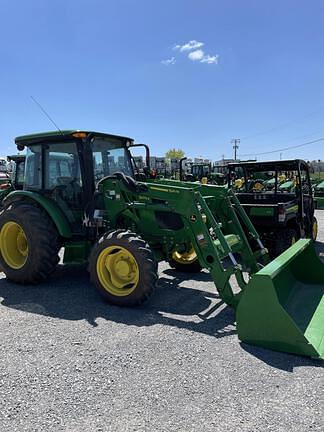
(186, 262)
(314, 229)
(123, 268)
(29, 243)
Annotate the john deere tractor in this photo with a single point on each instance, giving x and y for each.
(81, 192)
(319, 195)
(202, 172)
(15, 180)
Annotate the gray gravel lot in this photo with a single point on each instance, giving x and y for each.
(69, 362)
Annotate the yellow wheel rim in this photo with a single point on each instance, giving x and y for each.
(117, 271)
(185, 257)
(315, 230)
(13, 245)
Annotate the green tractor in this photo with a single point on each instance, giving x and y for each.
(319, 195)
(81, 192)
(204, 173)
(8, 182)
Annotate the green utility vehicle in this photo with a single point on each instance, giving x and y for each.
(89, 201)
(278, 198)
(319, 195)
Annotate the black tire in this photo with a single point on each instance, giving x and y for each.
(42, 242)
(146, 263)
(281, 241)
(193, 267)
(314, 229)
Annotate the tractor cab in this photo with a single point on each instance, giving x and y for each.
(14, 179)
(67, 166)
(17, 163)
(200, 171)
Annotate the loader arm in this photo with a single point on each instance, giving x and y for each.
(281, 306)
(219, 241)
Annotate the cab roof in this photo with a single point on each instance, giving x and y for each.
(38, 138)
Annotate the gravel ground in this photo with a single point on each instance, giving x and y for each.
(69, 362)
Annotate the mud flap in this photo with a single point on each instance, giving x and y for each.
(282, 306)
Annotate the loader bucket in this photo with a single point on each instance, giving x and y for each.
(282, 307)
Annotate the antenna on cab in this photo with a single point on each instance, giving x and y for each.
(47, 115)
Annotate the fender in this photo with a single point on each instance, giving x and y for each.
(52, 209)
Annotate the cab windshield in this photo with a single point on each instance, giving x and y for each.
(110, 156)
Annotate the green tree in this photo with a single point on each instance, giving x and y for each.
(175, 153)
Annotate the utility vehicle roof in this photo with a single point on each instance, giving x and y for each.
(38, 138)
(289, 164)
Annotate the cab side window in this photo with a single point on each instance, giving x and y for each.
(33, 168)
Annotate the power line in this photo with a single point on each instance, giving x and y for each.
(282, 125)
(283, 149)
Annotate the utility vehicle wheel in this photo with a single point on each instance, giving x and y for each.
(123, 268)
(186, 262)
(283, 239)
(314, 229)
(29, 243)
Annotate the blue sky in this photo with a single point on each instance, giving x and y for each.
(101, 65)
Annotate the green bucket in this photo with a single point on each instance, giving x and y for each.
(282, 307)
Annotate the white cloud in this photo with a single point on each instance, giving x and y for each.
(199, 55)
(191, 45)
(196, 55)
(210, 59)
(193, 51)
(168, 62)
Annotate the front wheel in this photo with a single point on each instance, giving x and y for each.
(186, 262)
(123, 268)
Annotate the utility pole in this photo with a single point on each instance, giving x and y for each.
(235, 143)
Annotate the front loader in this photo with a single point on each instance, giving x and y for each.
(81, 193)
